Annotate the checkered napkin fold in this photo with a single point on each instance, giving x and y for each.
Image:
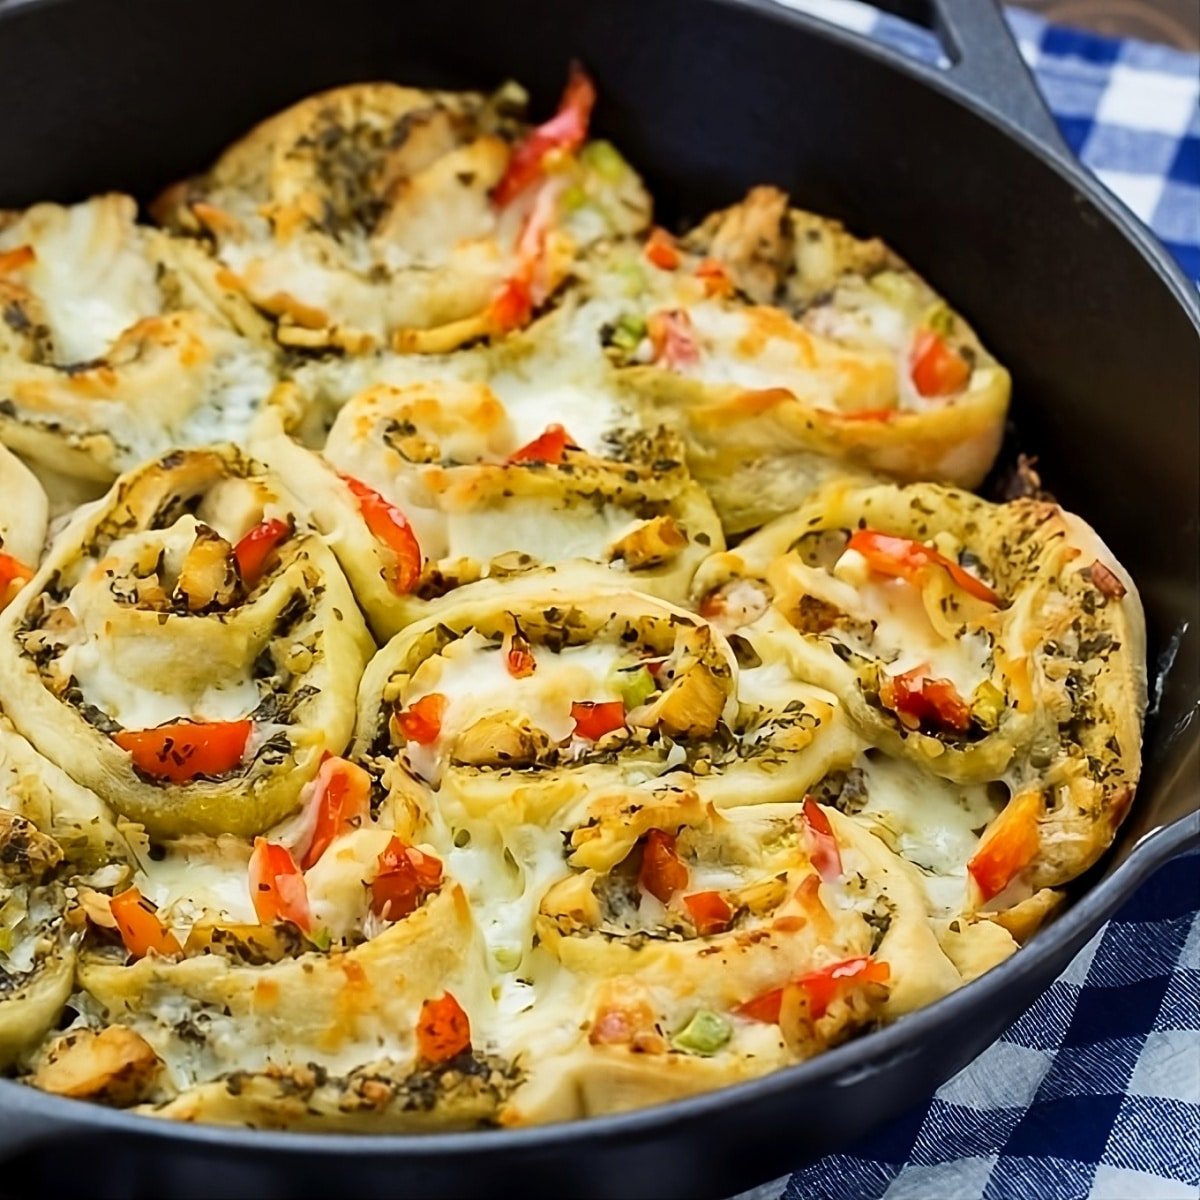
(1095, 1092)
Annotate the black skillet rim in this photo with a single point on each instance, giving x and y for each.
(853, 1059)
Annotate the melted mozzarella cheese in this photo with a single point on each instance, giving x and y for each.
(930, 821)
(208, 879)
(471, 673)
(90, 274)
(903, 636)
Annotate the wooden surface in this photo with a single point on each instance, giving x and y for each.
(1175, 22)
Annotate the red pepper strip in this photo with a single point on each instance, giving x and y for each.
(513, 304)
(1008, 847)
(390, 527)
(421, 722)
(443, 1030)
(594, 718)
(343, 801)
(14, 575)
(903, 558)
(277, 886)
(673, 339)
(661, 249)
(254, 548)
(822, 986)
(140, 928)
(565, 132)
(710, 912)
(405, 876)
(919, 700)
(549, 447)
(937, 368)
(823, 848)
(663, 872)
(181, 751)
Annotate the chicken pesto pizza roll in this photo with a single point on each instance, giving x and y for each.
(250, 1007)
(429, 486)
(24, 515)
(704, 947)
(119, 342)
(376, 214)
(514, 698)
(786, 351)
(335, 958)
(189, 649)
(984, 642)
(53, 834)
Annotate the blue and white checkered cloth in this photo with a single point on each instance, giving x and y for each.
(1095, 1092)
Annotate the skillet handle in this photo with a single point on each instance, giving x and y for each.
(987, 65)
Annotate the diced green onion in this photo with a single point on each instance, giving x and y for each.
(628, 332)
(704, 1034)
(604, 158)
(508, 958)
(636, 686)
(573, 198)
(893, 286)
(941, 320)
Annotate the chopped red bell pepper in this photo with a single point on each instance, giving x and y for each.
(390, 527)
(1009, 846)
(920, 700)
(549, 447)
(672, 338)
(256, 547)
(277, 886)
(663, 872)
(565, 132)
(518, 657)
(140, 927)
(710, 912)
(594, 718)
(183, 750)
(443, 1030)
(822, 987)
(714, 277)
(14, 575)
(937, 368)
(513, 304)
(903, 558)
(342, 797)
(405, 876)
(661, 249)
(421, 722)
(823, 846)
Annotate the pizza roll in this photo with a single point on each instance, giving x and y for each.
(986, 643)
(376, 214)
(786, 352)
(51, 832)
(119, 342)
(704, 948)
(511, 697)
(24, 515)
(189, 648)
(425, 487)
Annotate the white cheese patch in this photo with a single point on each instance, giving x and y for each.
(930, 821)
(472, 674)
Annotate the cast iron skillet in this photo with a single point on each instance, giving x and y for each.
(963, 172)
